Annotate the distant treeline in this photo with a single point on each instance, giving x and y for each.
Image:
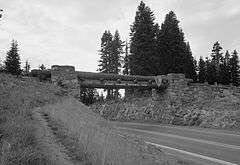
(219, 68)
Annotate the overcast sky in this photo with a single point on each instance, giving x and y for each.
(68, 32)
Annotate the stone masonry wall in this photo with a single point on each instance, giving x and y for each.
(66, 77)
(183, 104)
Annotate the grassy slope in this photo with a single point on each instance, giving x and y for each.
(91, 140)
(88, 138)
(17, 98)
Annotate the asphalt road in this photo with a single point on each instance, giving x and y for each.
(200, 145)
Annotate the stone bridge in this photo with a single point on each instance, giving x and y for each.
(174, 98)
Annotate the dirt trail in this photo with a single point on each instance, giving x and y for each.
(49, 143)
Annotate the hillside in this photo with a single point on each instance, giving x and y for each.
(40, 124)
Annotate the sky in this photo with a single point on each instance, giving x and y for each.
(60, 32)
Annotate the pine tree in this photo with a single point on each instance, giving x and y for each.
(111, 53)
(202, 70)
(12, 62)
(116, 58)
(174, 54)
(111, 56)
(143, 42)
(216, 54)
(116, 54)
(42, 67)
(190, 66)
(217, 60)
(234, 68)
(105, 52)
(126, 68)
(210, 72)
(225, 76)
(27, 68)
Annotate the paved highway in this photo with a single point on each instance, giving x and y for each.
(203, 146)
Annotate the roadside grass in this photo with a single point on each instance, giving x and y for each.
(91, 140)
(18, 96)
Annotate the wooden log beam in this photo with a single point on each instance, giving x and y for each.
(115, 77)
(119, 85)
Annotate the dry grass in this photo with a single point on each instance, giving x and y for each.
(17, 98)
(91, 140)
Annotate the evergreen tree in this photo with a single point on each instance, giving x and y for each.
(110, 53)
(217, 60)
(27, 68)
(116, 58)
(111, 56)
(216, 54)
(225, 75)
(174, 54)
(201, 70)
(116, 54)
(12, 62)
(210, 72)
(42, 67)
(190, 66)
(143, 42)
(105, 52)
(234, 68)
(126, 68)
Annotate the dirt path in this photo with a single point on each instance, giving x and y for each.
(49, 143)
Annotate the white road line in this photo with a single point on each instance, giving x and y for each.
(187, 138)
(194, 154)
(178, 127)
